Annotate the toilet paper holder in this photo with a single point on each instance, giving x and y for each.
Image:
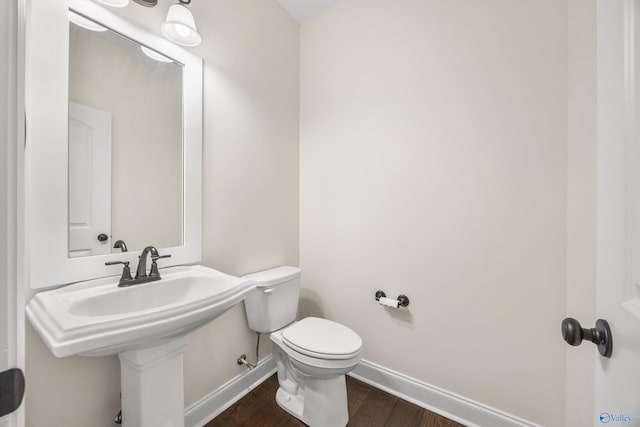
(402, 301)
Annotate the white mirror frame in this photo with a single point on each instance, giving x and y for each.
(46, 151)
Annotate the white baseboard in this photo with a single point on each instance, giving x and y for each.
(213, 404)
(450, 405)
(434, 399)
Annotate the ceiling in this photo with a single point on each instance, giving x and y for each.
(303, 10)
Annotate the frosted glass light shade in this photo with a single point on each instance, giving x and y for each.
(180, 27)
(114, 3)
(155, 55)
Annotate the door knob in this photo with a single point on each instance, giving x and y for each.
(573, 334)
(102, 237)
(11, 390)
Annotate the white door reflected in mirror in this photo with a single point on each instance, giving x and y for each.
(89, 181)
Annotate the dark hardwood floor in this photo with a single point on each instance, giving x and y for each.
(368, 407)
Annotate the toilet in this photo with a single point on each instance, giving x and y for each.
(312, 355)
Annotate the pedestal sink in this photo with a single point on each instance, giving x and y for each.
(146, 325)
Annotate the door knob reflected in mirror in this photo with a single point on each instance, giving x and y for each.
(102, 237)
(573, 333)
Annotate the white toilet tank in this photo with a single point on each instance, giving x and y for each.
(274, 303)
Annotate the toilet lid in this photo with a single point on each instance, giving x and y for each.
(322, 338)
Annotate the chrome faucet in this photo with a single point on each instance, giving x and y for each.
(141, 272)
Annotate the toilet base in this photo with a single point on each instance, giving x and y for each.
(292, 404)
(323, 403)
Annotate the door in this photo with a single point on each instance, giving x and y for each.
(89, 181)
(12, 25)
(617, 379)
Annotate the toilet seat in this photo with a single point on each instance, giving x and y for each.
(313, 362)
(322, 339)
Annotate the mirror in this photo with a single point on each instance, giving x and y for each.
(125, 143)
(152, 117)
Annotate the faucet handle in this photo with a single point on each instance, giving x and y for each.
(154, 266)
(126, 272)
(125, 263)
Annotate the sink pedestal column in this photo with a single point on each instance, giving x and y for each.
(152, 385)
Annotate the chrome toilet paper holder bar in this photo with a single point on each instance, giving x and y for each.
(403, 300)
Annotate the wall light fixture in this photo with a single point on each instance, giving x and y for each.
(180, 27)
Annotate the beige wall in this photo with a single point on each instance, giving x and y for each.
(433, 163)
(250, 217)
(581, 206)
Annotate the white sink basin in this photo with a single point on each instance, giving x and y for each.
(97, 317)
